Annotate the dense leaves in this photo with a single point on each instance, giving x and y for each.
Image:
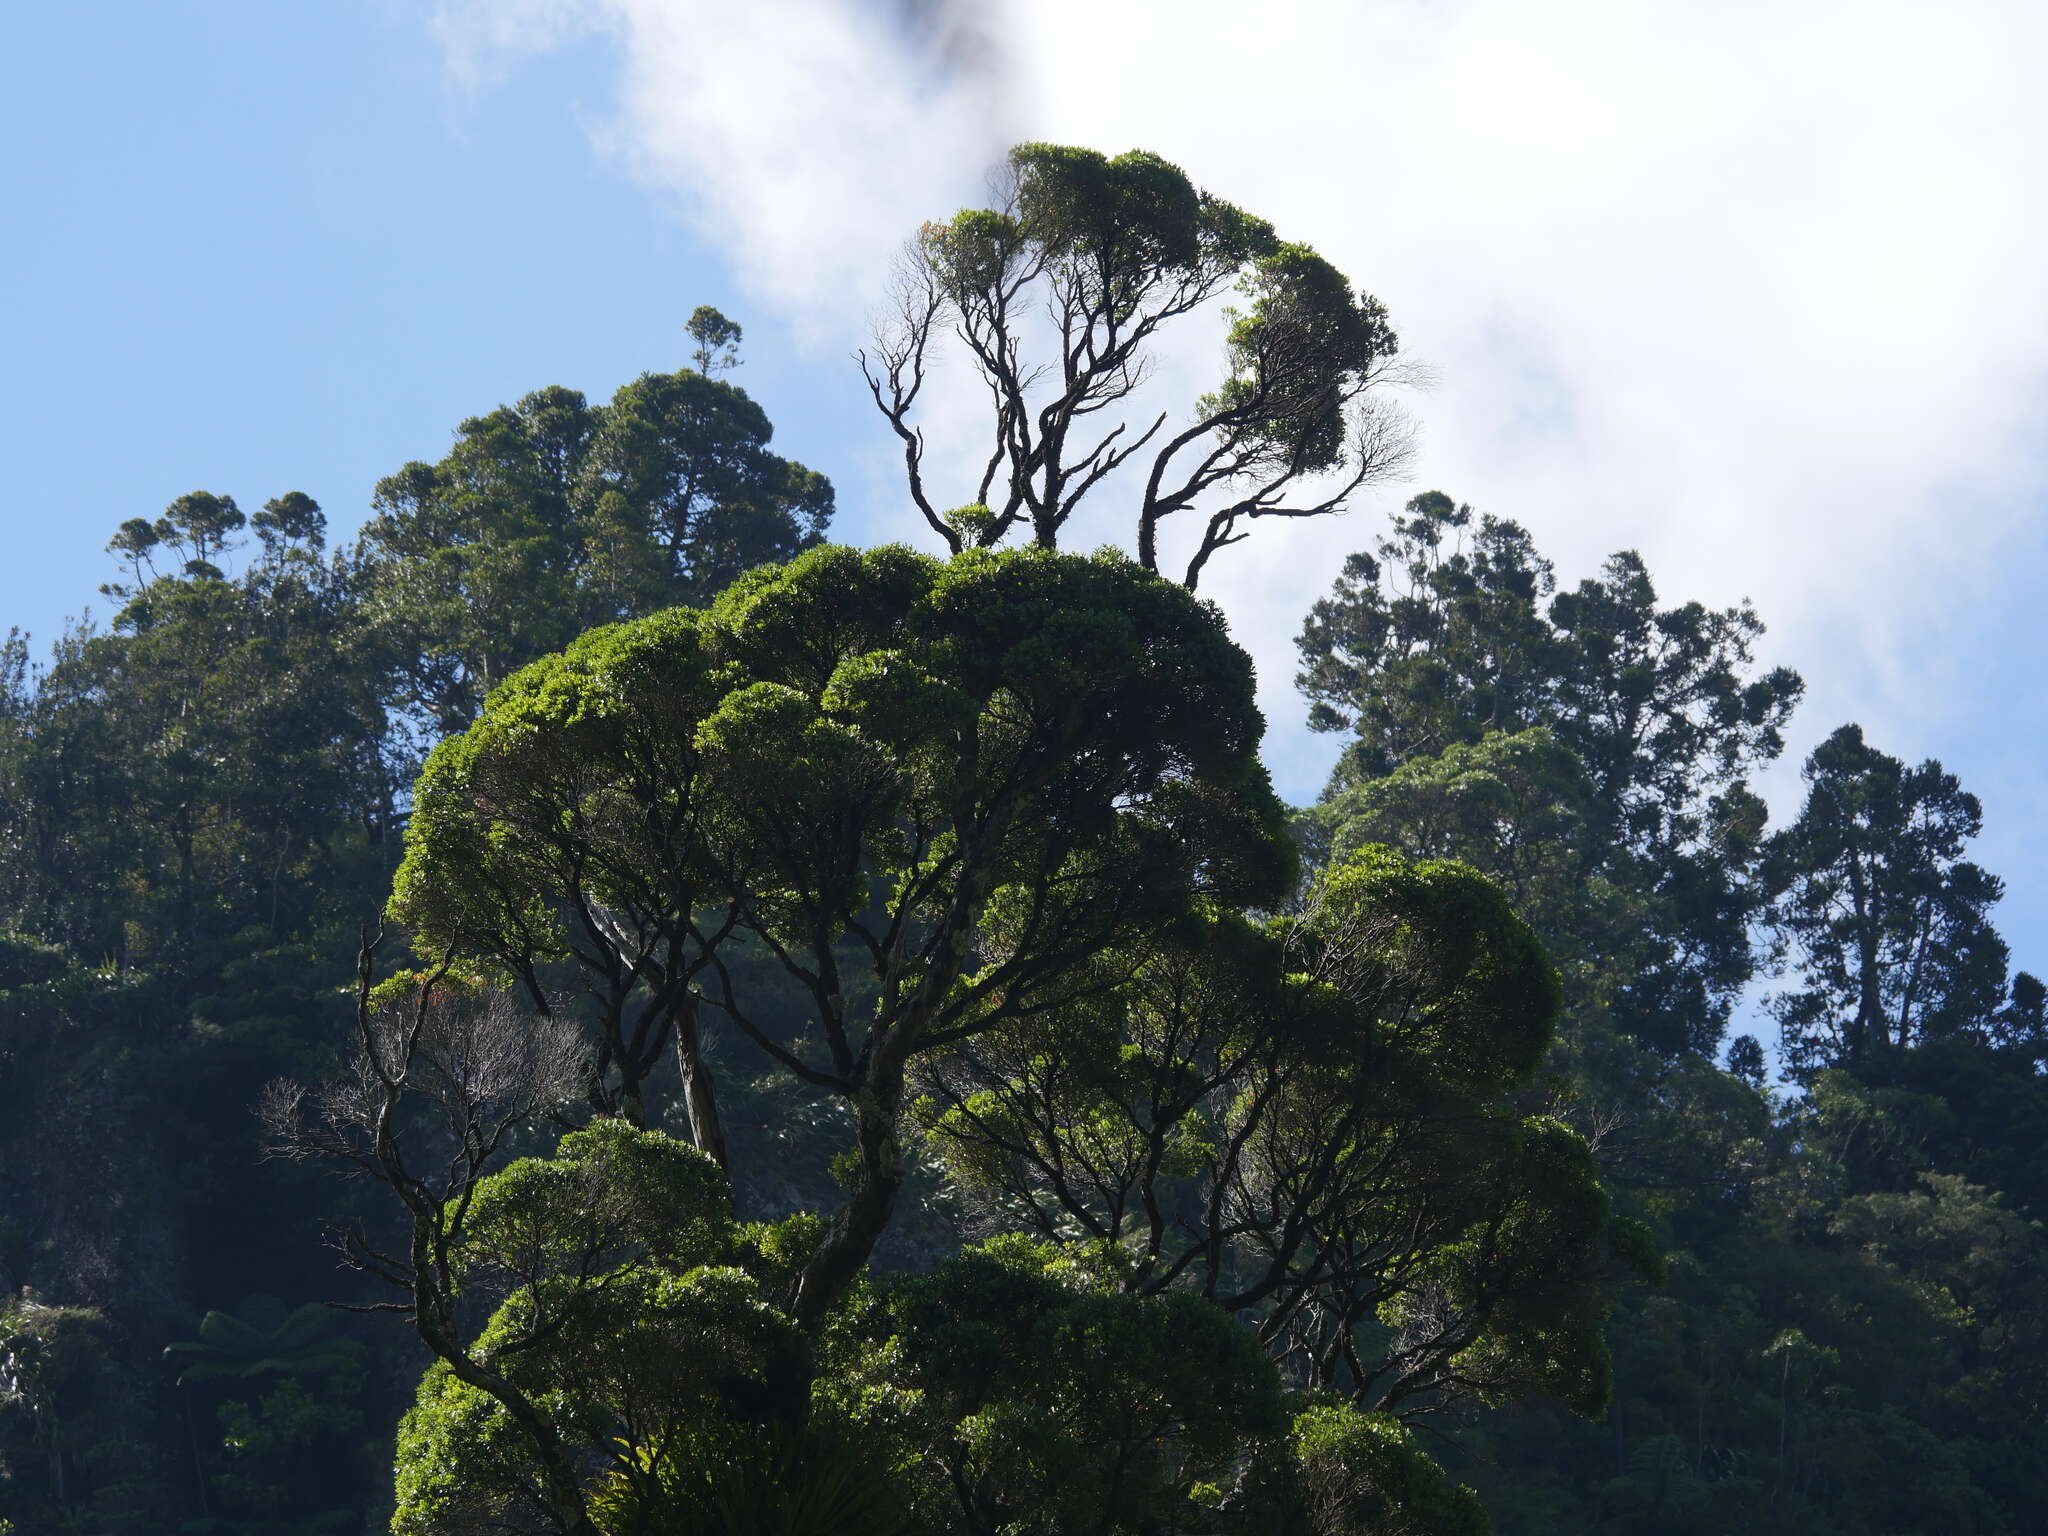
(199, 806)
(1452, 634)
(865, 748)
(1891, 922)
(853, 1048)
(1820, 1358)
(554, 515)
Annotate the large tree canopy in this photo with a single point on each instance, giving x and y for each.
(998, 820)
(979, 774)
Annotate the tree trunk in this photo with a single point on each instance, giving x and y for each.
(433, 1319)
(1869, 998)
(859, 1223)
(707, 1132)
(878, 1090)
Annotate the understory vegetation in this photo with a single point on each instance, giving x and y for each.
(589, 1008)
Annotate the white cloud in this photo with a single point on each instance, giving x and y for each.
(803, 137)
(1754, 287)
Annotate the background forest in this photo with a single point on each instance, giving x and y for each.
(205, 804)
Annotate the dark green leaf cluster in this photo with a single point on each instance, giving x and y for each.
(1890, 920)
(554, 515)
(1308, 1124)
(1626, 829)
(1847, 1340)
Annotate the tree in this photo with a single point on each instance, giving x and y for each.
(206, 766)
(871, 747)
(1433, 644)
(553, 516)
(1746, 1060)
(199, 526)
(718, 341)
(1889, 922)
(993, 816)
(1429, 643)
(1590, 751)
(1111, 252)
(1308, 1123)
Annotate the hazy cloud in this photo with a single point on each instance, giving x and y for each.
(803, 137)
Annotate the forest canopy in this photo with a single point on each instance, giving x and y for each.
(830, 1038)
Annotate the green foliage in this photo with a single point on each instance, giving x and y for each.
(1113, 250)
(57, 1365)
(267, 1444)
(978, 774)
(1519, 807)
(187, 781)
(1327, 1145)
(1129, 215)
(636, 1366)
(622, 1319)
(1362, 1473)
(794, 1484)
(27, 962)
(198, 527)
(1819, 1359)
(1890, 922)
(717, 338)
(1627, 832)
(610, 1195)
(70, 1457)
(1019, 788)
(1477, 995)
(1044, 1399)
(554, 515)
(260, 1337)
(1294, 352)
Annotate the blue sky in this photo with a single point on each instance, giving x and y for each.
(1755, 291)
(257, 248)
